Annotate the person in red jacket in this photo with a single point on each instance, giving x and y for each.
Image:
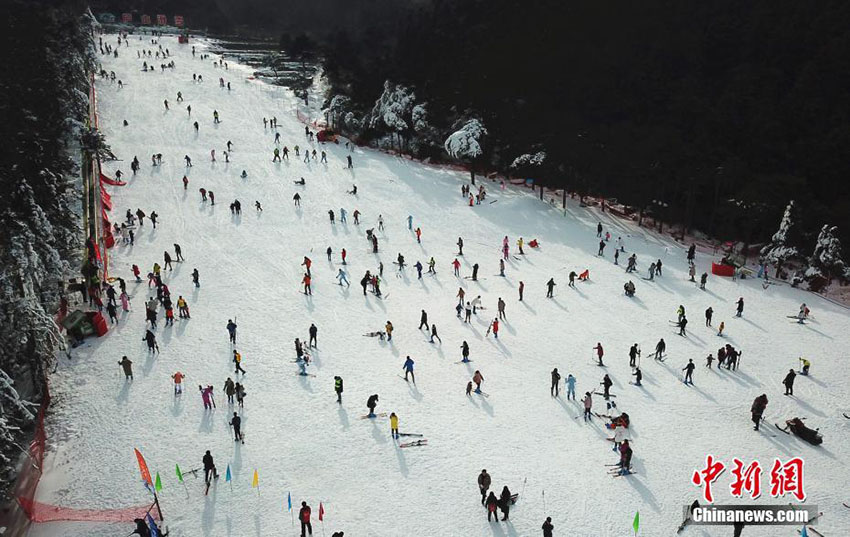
(304, 518)
(306, 281)
(495, 327)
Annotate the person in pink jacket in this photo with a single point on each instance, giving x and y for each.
(207, 397)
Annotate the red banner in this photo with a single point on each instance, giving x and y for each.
(126, 17)
(109, 181)
(178, 21)
(161, 20)
(106, 199)
(146, 19)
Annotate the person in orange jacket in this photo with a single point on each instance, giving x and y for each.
(306, 281)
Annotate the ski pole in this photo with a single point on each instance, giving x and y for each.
(523, 486)
(544, 502)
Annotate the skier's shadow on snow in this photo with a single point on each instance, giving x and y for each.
(641, 489)
(488, 408)
(124, 393)
(414, 392)
(377, 433)
(809, 408)
(568, 408)
(402, 463)
(177, 406)
(305, 383)
(762, 329)
(636, 300)
(817, 331)
(343, 418)
(206, 425)
(208, 517)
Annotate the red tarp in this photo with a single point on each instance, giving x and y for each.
(719, 269)
(113, 182)
(106, 199)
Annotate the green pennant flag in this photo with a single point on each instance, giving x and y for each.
(158, 483)
(636, 523)
(179, 473)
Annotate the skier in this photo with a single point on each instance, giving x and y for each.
(606, 386)
(519, 244)
(702, 280)
(408, 369)
(371, 403)
(551, 286)
(599, 352)
(459, 246)
(456, 265)
(476, 304)
(708, 313)
(167, 261)
(112, 310)
(708, 360)
(150, 339)
(740, 307)
(464, 350)
(484, 481)
(572, 279)
(492, 502)
(570, 383)
(599, 229)
(196, 278)
(389, 328)
(658, 267)
(338, 388)
(757, 410)
(500, 305)
(231, 330)
(418, 267)
(689, 372)
(588, 405)
(692, 253)
(660, 347)
(306, 264)
(505, 503)
(237, 359)
(789, 382)
(229, 390)
(434, 334)
(475, 272)
(601, 248)
(477, 378)
(625, 458)
(495, 327)
(521, 289)
(127, 365)
(634, 352)
(297, 198)
(548, 527)
(423, 320)
(431, 264)
(683, 322)
(240, 394)
(720, 329)
(501, 267)
(313, 332)
(306, 281)
(556, 379)
(638, 376)
(806, 365)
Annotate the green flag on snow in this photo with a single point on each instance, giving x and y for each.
(158, 483)
(636, 523)
(179, 473)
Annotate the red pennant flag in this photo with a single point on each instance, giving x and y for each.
(321, 512)
(143, 468)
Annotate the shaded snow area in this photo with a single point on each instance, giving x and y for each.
(301, 441)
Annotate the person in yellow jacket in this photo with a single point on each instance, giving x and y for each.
(394, 425)
(183, 307)
(806, 365)
(519, 243)
(389, 328)
(156, 269)
(237, 359)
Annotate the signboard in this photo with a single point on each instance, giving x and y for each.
(161, 20)
(146, 19)
(178, 21)
(126, 17)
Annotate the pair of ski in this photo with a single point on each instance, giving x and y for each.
(414, 443)
(467, 361)
(603, 395)
(378, 415)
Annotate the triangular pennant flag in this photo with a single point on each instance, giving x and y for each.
(227, 474)
(289, 500)
(179, 473)
(256, 482)
(152, 526)
(636, 523)
(321, 512)
(158, 485)
(143, 468)
(804, 532)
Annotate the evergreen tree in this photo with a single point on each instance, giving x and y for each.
(826, 261)
(783, 246)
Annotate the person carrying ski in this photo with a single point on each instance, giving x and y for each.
(689, 372)
(556, 379)
(371, 403)
(127, 365)
(209, 467)
(757, 410)
(484, 482)
(393, 426)
(231, 330)
(408, 369)
(789, 382)
(236, 423)
(338, 388)
(207, 397)
(505, 501)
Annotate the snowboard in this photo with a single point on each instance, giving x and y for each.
(378, 415)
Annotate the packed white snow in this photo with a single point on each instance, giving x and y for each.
(302, 442)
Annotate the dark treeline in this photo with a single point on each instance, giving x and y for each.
(722, 110)
(43, 103)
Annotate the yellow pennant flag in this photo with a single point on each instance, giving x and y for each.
(256, 482)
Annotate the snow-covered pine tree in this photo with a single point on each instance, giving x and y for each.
(393, 110)
(465, 143)
(826, 261)
(783, 246)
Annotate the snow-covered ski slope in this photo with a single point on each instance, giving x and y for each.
(302, 442)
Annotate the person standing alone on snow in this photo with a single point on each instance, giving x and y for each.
(408, 369)
(556, 379)
(484, 484)
(304, 518)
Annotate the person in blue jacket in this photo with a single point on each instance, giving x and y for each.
(408, 369)
(571, 386)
